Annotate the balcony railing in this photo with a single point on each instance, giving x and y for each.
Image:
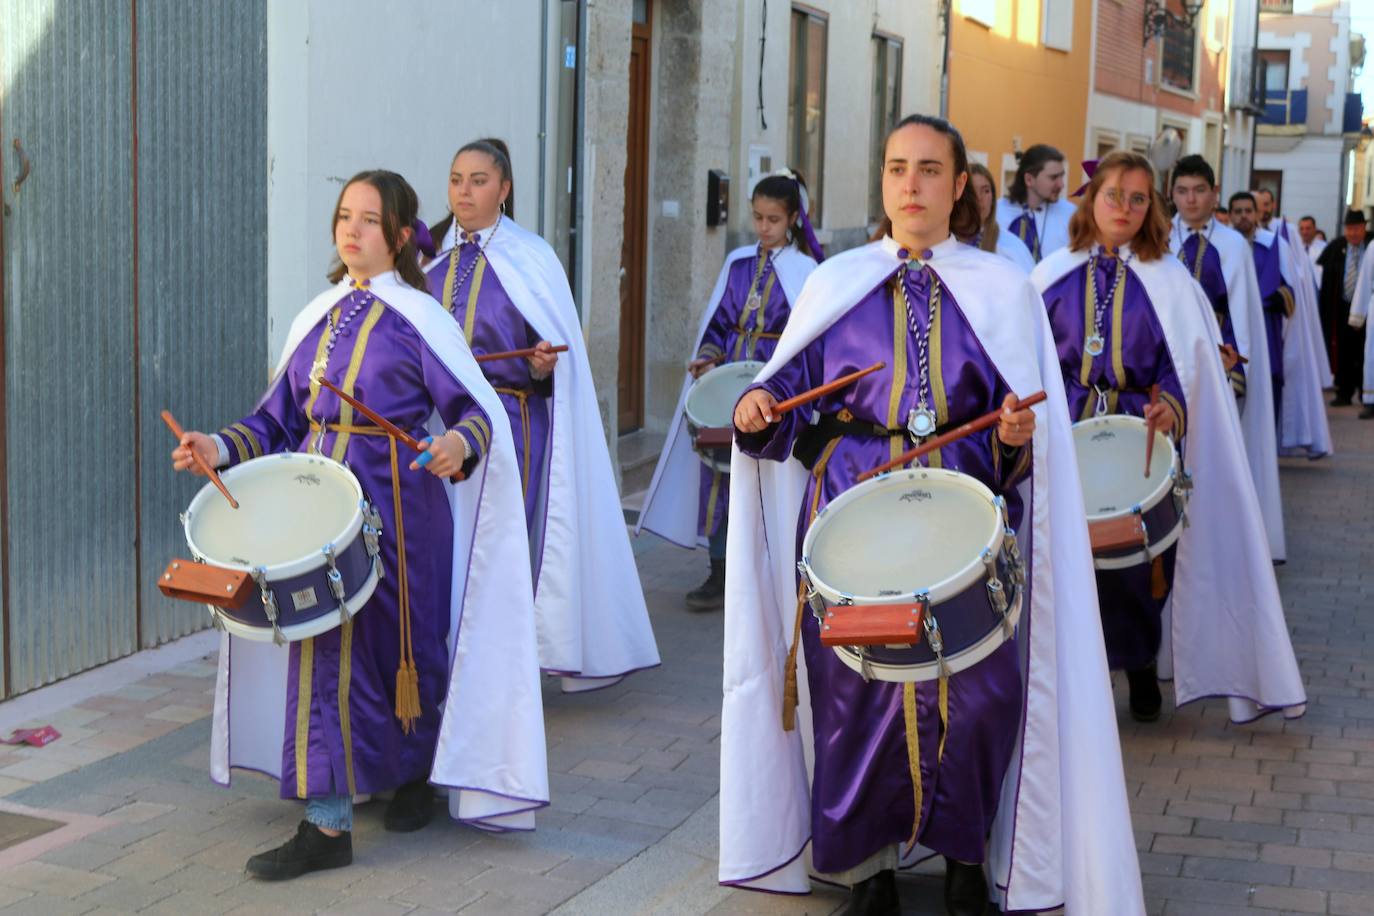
(1285, 107)
(1354, 114)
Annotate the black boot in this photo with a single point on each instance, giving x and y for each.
(710, 596)
(876, 896)
(966, 890)
(410, 808)
(1340, 400)
(309, 850)
(1145, 697)
(1367, 412)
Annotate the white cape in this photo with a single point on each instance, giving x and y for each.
(1227, 636)
(491, 755)
(593, 622)
(1062, 833)
(1257, 409)
(1303, 428)
(1359, 318)
(670, 503)
(1053, 221)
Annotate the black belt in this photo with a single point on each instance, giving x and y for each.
(813, 438)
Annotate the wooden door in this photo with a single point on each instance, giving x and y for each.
(632, 253)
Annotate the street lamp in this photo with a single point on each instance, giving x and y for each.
(1158, 17)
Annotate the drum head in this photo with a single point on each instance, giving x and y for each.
(1111, 465)
(906, 532)
(711, 400)
(290, 507)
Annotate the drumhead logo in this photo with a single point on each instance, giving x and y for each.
(309, 479)
(1105, 434)
(916, 496)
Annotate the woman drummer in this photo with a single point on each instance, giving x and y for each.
(1129, 320)
(747, 312)
(921, 764)
(363, 702)
(990, 236)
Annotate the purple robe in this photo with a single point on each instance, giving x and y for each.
(493, 324)
(862, 796)
(1027, 230)
(1278, 305)
(1204, 263)
(732, 336)
(1135, 356)
(342, 736)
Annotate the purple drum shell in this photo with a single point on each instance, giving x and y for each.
(1160, 519)
(354, 567)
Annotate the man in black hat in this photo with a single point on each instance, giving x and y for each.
(1340, 264)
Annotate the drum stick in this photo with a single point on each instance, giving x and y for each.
(516, 354)
(391, 428)
(201, 463)
(1228, 350)
(1150, 430)
(821, 391)
(972, 426)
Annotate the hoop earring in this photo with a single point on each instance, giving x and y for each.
(503, 208)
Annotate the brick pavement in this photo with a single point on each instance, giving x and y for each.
(1275, 817)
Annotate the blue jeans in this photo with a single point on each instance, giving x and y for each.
(716, 542)
(333, 812)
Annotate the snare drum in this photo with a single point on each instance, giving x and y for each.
(305, 533)
(710, 410)
(1132, 517)
(914, 574)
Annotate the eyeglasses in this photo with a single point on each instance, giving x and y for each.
(1139, 203)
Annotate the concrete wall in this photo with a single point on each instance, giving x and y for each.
(349, 90)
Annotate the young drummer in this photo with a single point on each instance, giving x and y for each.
(1219, 260)
(1033, 210)
(990, 236)
(1000, 756)
(507, 290)
(1127, 316)
(398, 697)
(747, 312)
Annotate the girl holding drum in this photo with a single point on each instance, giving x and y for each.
(1127, 316)
(362, 703)
(1004, 755)
(506, 290)
(749, 308)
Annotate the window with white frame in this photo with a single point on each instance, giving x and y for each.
(885, 109)
(806, 103)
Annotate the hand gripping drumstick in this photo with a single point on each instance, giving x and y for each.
(516, 354)
(1150, 430)
(973, 426)
(1228, 350)
(384, 423)
(821, 391)
(205, 468)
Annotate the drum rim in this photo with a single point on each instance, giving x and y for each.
(936, 593)
(290, 568)
(694, 420)
(1160, 491)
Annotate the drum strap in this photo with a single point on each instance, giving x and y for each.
(789, 677)
(523, 396)
(407, 677)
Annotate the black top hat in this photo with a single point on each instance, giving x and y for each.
(1354, 218)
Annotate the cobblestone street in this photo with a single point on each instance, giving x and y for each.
(1275, 817)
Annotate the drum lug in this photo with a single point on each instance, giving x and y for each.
(336, 586)
(215, 620)
(1011, 552)
(865, 670)
(811, 596)
(935, 640)
(269, 603)
(1001, 503)
(1183, 490)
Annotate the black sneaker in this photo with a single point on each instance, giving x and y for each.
(710, 595)
(309, 850)
(875, 896)
(410, 808)
(1146, 699)
(966, 889)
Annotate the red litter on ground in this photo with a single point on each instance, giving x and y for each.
(34, 736)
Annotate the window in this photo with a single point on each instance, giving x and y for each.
(885, 110)
(1274, 64)
(806, 104)
(1058, 25)
(984, 11)
(1106, 142)
(1178, 56)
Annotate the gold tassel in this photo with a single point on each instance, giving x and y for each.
(407, 695)
(407, 677)
(1159, 586)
